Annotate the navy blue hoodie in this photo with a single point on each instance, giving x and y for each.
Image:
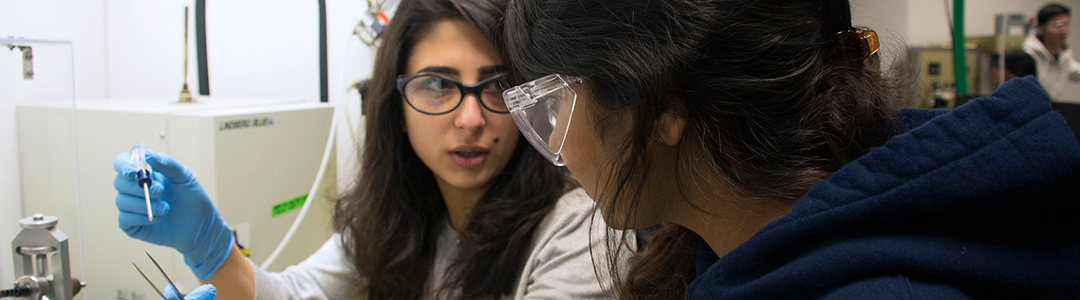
(978, 202)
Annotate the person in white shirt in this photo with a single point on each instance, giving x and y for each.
(451, 201)
(1055, 65)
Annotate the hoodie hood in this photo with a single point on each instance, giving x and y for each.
(979, 200)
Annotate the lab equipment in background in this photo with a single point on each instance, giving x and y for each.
(994, 44)
(375, 20)
(1009, 33)
(256, 159)
(1011, 24)
(142, 175)
(42, 262)
(936, 82)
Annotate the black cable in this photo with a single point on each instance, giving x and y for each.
(324, 84)
(200, 45)
(16, 292)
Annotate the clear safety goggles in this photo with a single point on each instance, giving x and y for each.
(1057, 24)
(542, 109)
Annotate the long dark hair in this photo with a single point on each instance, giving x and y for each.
(390, 221)
(771, 108)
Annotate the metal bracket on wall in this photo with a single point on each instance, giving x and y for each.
(27, 58)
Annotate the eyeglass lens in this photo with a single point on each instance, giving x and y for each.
(435, 94)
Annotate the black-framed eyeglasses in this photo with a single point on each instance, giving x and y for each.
(434, 94)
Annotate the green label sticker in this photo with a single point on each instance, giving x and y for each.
(288, 205)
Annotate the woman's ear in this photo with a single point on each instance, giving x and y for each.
(671, 126)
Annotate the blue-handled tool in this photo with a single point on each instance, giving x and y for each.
(142, 174)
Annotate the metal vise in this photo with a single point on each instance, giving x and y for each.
(42, 263)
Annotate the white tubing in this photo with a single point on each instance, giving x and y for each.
(319, 176)
(311, 193)
(78, 202)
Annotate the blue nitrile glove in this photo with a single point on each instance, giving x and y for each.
(203, 292)
(184, 218)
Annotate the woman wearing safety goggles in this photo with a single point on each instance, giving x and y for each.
(763, 139)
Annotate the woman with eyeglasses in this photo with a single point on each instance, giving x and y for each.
(763, 139)
(451, 202)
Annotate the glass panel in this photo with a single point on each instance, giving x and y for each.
(549, 120)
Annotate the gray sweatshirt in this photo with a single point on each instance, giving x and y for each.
(558, 266)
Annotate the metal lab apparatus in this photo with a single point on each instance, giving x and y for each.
(936, 77)
(250, 155)
(41, 259)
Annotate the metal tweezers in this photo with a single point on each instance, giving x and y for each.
(162, 273)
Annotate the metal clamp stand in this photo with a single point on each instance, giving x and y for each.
(28, 58)
(42, 263)
(185, 95)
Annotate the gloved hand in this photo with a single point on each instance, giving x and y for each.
(203, 292)
(184, 218)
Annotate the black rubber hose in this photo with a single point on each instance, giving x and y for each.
(200, 47)
(324, 76)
